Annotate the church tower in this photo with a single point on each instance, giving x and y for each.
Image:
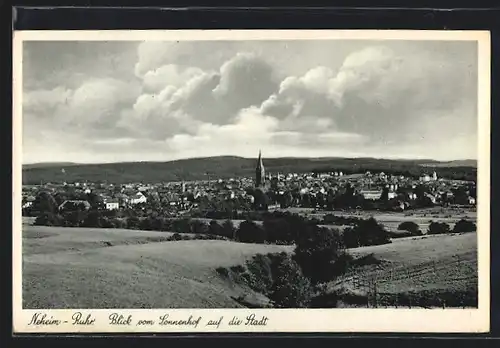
(260, 173)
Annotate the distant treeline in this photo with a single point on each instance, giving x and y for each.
(274, 228)
(226, 167)
(407, 170)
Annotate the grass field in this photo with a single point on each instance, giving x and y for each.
(391, 220)
(438, 263)
(97, 268)
(114, 268)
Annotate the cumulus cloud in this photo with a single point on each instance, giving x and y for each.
(181, 99)
(187, 98)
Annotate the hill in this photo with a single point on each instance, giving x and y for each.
(49, 164)
(98, 268)
(226, 167)
(424, 269)
(450, 164)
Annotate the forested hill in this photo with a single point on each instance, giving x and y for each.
(228, 166)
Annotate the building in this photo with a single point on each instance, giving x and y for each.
(112, 204)
(371, 195)
(260, 172)
(138, 198)
(425, 178)
(73, 205)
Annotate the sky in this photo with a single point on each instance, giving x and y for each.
(96, 102)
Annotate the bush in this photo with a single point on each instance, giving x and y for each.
(278, 277)
(181, 226)
(364, 233)
(438, 228)
(317, 249)
(214, 228)
(48, 219)
(290, 288)
(93, 219)
(370, 232)
(198, 227)
(464, 226)
(250, 232)
(176, 236)
(133, 223)
(228, 229)
(411, 227)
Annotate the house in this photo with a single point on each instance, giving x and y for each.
(425, 178)
(27, 204)
(112, 204)
(138, 198)
(371, 194)
(391, 195)
(72, 205)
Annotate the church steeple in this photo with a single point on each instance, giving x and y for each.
(260, 173)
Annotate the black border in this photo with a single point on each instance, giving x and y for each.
(179, 16)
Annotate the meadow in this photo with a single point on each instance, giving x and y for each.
(118, 268)
(421, 266)
(99, 268)
(391, 220)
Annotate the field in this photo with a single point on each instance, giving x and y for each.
(391, 220)
(427, 265)
(97, 268)
(114, 268)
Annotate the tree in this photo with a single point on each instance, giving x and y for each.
(45, 203)
(385, 194)
(215, 228)
(370, 232)
(411, 227)
(228, 229)
(93, 219)
(250, 232)
(181, 226)
(464, 226)
(438, 228)
(48, 219)
(290, 289)
(317, 249)
(133, 222)
(198, 227)
(95, 201)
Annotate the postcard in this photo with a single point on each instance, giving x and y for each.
(197, 181)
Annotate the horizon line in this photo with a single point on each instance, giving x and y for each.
(242, 157)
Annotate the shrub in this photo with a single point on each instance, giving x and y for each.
(199, 227)
(93, 219)
(49, 219)
(317, 249)
(290, 288)
(176, 236)
(370, 232)
(250, 232)
(228, 229)
(438, 228)
(181, 226)
(364, 233)
(401, 234)
(279, 277)
(214, 228)
(411, 227)
(133, 222)
(464, 226)
(107, 222)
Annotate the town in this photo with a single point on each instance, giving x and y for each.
(263, 191)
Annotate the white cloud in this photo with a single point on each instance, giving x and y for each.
(213, 98)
